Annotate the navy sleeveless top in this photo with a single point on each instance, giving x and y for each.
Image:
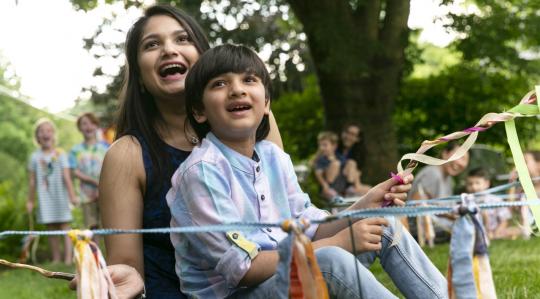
(159, 274)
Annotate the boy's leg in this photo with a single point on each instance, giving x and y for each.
(411, 270)
(339, 271)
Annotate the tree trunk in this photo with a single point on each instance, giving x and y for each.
(359, 56)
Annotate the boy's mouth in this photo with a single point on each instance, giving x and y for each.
(238, 107)
(172, 69)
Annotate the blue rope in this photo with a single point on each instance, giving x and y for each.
(409, 211)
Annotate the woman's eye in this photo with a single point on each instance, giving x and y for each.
(183, 39)
(150, 44)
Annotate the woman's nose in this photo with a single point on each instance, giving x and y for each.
(169, 48)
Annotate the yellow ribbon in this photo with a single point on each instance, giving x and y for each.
(93, 279)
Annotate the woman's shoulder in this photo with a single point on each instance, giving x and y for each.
(124, 150)
(124, 158)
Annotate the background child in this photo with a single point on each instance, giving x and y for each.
(328, 166)
(85, 160)
(49, 174)
(233, 176)
(495, 220)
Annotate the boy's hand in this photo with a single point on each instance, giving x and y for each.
(389, 190)
(367, 235)
(29, 206)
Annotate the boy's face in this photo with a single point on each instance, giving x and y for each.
(87, 128)
(234, 105)
(45, 135)
(476, 184)
(326, 147)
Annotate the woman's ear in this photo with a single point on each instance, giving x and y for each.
(267, 106)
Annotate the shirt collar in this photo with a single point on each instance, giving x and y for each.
(236, 159)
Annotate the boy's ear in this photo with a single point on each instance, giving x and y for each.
(199, 117)
(267, 106)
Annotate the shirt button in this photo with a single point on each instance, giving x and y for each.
(268, 229)
(257, 169)
(262, 197)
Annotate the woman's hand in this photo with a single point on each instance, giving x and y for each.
(389, 190)
(126, 279)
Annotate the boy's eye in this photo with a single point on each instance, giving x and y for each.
(217, 83)
(250, 78)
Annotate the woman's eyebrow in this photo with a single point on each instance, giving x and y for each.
(155, 35)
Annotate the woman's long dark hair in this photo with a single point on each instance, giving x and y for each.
(138, 113)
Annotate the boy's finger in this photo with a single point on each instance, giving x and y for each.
(400, 188)
(377, 221)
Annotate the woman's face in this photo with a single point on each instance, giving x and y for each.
(350, 135)
(166, 53)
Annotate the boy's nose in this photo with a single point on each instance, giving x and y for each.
(236, 89)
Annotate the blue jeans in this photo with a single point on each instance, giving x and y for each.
(410, 269)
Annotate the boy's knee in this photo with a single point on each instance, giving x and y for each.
(333, 257)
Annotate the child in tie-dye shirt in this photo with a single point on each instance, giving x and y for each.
(85, 160)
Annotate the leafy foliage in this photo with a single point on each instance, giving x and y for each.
(16, 145)
(454, 100)
(300, 118)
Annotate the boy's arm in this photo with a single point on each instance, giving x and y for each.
(85, 178)
(333, 170)
(202, 196)
(387, 190)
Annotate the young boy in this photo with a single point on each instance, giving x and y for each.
(85, 160)
(328, 166)
(495, 220)
(235, 176)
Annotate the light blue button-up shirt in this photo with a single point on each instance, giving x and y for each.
(217, 185)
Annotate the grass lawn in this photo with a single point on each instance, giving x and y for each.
(515, 265)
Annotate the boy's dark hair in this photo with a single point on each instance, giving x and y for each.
(217, 61)
(480, 173)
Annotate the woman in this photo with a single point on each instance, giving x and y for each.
(152, 140)
(351, 149)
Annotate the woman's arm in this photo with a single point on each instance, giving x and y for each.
(121, 189)
(274, 135)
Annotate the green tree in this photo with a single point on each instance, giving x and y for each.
(360, 52)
